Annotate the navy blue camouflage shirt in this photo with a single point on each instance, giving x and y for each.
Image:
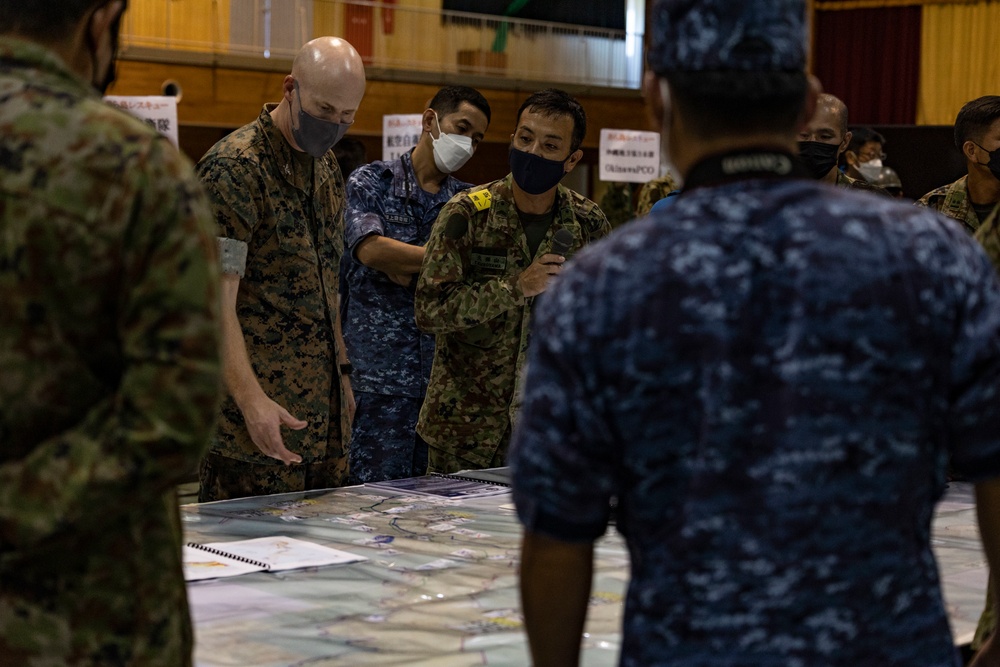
(769, 376)
(389, 354)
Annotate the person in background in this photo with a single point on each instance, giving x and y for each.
(824, 140)
(864, 154)
(768, 381)
(391, 207)
(279, 200)
(616, 203)
(889, 181)
(488, 257)
(108, 347)
(973, 197)
(655, 190)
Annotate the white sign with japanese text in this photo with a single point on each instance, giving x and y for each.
(400, 133)
(158, 111)
(629, 156)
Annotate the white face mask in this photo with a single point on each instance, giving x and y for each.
(451, 151)
(871, 169)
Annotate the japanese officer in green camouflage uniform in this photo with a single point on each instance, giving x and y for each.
(109, 351)
(488, 257)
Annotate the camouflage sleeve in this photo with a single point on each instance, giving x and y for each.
(364, 206)
(448, 296)
(975, 365)
(150, 432)
(235, 198)
(595, 225)
(988, 236)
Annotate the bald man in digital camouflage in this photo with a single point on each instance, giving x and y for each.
(278, 198)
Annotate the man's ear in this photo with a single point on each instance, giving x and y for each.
(288, 88)
(851, 157)
(103, 18)
(846, 142)
(573, 159)
(427, 122)
(969, 151)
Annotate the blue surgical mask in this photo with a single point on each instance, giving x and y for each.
(314, 135)
(535, 174)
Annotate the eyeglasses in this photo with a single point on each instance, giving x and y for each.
(868, 157)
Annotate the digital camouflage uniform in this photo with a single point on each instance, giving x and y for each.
(988, 236)
(654, 191)
(391, 357)
(616, 203)
(467, 295)
(953, 200)
(772, 400)
(292, 230)
(109, 387)
(845, 181)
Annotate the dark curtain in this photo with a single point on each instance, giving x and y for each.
(870, 58)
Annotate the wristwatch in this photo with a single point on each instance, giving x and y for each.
(346, 369)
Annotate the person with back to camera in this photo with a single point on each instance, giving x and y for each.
(768, 378)
(109, 352)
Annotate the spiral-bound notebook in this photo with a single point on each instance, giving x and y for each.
(444, 486)
(263, 554)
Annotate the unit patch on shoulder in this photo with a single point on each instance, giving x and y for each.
(482, 199)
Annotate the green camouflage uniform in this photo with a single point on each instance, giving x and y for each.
(845, 181)
(110, 380)
(654, 191)
(617, 204)
(953, 200)
(292, 230)
(988, 236)
(467, 295)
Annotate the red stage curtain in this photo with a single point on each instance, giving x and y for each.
(870, 58)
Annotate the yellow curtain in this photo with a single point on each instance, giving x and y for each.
(196, 25)
(832, 5)
(958, 60)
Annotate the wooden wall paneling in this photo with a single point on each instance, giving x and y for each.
(231, 97)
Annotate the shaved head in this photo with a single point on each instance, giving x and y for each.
(331, 78)
(329, 60)
(835, 107)
(326, 85)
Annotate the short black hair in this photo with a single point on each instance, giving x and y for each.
(450, 98)
(861, 136)
(45, 21)
(555, 102)
(731, 102)
(975, 118)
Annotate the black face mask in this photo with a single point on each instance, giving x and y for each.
(101, 83)
(993, 164)
(533, 173)
(818, 157)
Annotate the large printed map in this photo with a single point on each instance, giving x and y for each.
(439, 588)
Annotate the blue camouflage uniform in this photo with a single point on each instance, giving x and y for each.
(391, 357)
(769, 380)
(744, 397)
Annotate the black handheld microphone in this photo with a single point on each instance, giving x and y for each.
(562, 241)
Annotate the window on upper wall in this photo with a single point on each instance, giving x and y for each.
(609, 14)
